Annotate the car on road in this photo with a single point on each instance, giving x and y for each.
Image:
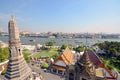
(45, 70)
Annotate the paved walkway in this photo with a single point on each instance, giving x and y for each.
(49, 76)
(1, 77)
(118, 77)
(46, 75)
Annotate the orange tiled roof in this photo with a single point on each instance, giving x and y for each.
(66, 57)
(59, 68)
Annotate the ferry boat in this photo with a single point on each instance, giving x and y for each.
(32, 40)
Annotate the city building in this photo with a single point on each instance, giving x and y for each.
(17, 68)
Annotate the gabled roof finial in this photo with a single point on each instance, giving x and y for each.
(86, 44)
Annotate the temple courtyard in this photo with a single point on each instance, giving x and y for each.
(46, 75)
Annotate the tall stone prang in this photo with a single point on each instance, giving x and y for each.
(17, 67)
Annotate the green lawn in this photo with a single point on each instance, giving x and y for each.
(45, 53)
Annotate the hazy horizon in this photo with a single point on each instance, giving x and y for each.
(70, 16)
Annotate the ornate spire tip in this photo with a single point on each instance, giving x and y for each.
(12, 17)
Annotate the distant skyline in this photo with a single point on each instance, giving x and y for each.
(71, 16)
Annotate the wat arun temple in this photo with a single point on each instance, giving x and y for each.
(88, 65)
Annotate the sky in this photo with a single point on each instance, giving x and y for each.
(72, 16)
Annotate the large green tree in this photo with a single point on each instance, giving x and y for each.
(4, 54)
(50, 43)
(110, 47)
(63, 47)
(112, 56)
(79, 48)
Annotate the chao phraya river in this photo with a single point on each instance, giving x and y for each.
(58, 42)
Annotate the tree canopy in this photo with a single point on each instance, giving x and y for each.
(112, 56)
(50, 43)
(45, 65)
(79, 49)
(63, 46)
(4, 54)
(110, 47)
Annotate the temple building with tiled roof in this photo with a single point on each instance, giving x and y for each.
(60, 63)
(89, 67)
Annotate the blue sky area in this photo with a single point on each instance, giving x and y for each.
(62, 15)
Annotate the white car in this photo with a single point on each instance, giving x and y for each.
(45, 70)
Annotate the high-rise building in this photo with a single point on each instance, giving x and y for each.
(17, 67)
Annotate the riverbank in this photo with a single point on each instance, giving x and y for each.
(58, 42)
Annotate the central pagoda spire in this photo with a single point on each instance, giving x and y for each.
(12, 17)
(17, 67)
